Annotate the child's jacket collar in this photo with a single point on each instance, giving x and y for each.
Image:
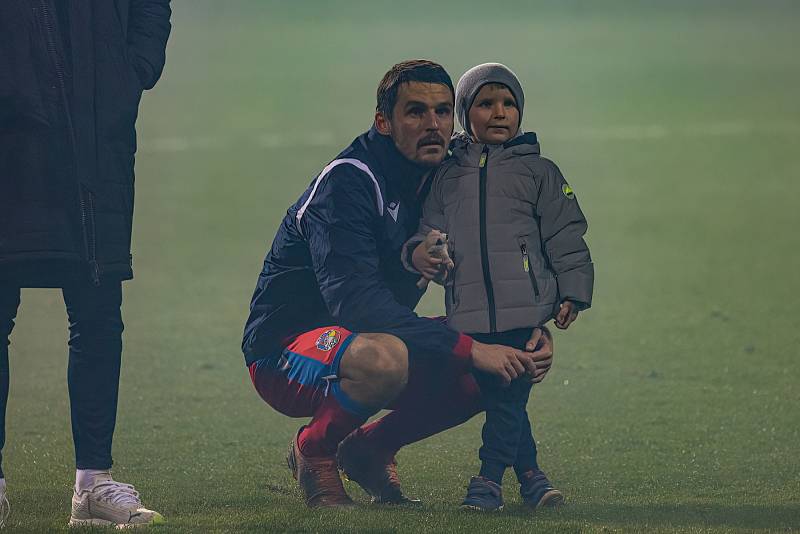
(462, 147)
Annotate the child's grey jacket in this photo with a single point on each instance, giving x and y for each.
(516, 236)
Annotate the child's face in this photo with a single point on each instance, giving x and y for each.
(494, 117)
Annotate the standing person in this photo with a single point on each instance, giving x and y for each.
(518, 260)
(71, 77)
(331, 333)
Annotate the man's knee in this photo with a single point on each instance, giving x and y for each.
(389, 355)
(379, 355)
(377, 362)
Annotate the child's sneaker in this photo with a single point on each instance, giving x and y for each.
(483, 495)
(537, 491)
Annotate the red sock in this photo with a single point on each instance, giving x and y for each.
(330, 425)
(423, 412)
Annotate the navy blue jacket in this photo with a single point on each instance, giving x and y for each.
(335, 259)
(71, 77)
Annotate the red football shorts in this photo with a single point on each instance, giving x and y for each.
(307, 370)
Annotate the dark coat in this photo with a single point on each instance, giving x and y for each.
(71, 77)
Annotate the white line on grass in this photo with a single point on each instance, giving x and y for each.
(631, 132)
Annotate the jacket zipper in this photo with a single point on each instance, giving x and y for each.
(487, 278)
(86, 201)
(526, 264)
(92, 241)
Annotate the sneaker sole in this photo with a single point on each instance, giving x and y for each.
(158, 519)
(376, 500)
(551, 499)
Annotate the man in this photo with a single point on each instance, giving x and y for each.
(331, 332)
(71, 77)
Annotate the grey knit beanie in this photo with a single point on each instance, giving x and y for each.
(470, 85)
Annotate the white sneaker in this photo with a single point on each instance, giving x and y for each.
(110, 503)
(5, 508)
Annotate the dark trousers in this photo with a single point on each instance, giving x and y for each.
(95, 351)
(507, 434)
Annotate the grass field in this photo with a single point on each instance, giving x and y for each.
(673, 404)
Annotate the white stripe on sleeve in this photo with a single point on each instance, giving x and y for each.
(349, 161)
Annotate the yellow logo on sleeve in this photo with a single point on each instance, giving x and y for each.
(568, 192)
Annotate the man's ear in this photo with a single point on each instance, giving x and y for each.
(382, 124)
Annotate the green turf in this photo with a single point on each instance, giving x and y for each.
(673, 404)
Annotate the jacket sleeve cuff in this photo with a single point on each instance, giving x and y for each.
(576, 285)
(546, 332)
(463, 350)
(408, 251)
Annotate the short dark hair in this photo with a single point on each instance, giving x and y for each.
(411, 70)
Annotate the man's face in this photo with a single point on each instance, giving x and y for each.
(421, 122)
(494, 117)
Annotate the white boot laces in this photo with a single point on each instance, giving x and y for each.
(116, 493)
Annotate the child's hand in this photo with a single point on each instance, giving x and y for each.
(424, 262)
(540, 345)
(566, 315)
(431, 258)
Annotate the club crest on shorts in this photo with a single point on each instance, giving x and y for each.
(328, 339)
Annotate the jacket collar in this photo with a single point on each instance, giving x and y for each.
(527, 138)
(461, 145)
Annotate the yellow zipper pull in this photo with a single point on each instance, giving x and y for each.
(483, 160)
(526, 264)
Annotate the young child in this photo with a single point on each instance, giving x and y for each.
(515, 235)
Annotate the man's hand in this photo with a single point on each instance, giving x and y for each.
(566, 315)
(504, 362)
(431, 258)
(540, 348)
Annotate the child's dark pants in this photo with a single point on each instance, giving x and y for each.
(507, 435)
